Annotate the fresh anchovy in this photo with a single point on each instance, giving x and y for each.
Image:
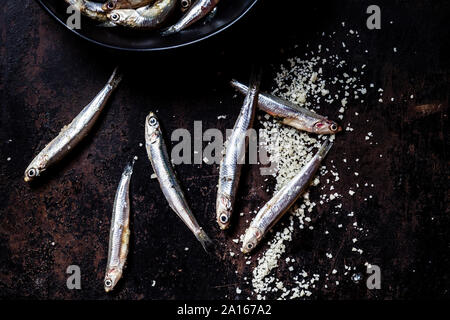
(73, 133)
(234, 156)
(273, 210)
(125, 4)
(159, 158)
(148, 17)
(93, 10)
(292, 114)
(119, 234)
(197, 11)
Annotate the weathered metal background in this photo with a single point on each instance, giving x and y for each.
(47, 75)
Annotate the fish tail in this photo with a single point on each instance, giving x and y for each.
(168, 31)
(211, 15)
(238, 86)
(204, 240)
(255, 80)
(129, 168)
(115, 78)
(323, 151)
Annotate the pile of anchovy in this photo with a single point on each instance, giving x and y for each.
(229, 173)
(145, 14)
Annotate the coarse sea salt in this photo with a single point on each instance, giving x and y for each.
(304, 82)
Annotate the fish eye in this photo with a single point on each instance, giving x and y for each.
(152, 121)
(31, 172)
(115, 16)
(333, 127)
(111, 5)
(223, 218)
(185, 3)
(108, 283)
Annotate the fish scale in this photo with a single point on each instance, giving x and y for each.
(91, 9)
(119, 235)
(280, 203)
(125, 4)
(148, 17)
(160, 161)
(74, 132)
(196, 12)
(234, 156)
(292, 114)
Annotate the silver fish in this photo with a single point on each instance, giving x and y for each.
(73, 133)
(159, 158)
(276, 207)
(292, 114)
(93, 10)
(125, 4)
(119, 235)
(197, 11)
(234, 156)
(148, 17)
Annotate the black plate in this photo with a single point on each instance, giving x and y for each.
(229, 11)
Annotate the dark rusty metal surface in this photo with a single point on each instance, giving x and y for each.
(47, 75)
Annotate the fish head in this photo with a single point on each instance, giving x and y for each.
(326, 126)
(127, 17)
(223, 211)
(33, 171)
(111, 278)
(152, 128)
(110, 5)
(251, 239)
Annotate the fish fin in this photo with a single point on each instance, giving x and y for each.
(168, 31)
(323, 151)
(115, 78)
(205, 241)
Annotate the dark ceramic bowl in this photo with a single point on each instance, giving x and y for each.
(228, 12)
